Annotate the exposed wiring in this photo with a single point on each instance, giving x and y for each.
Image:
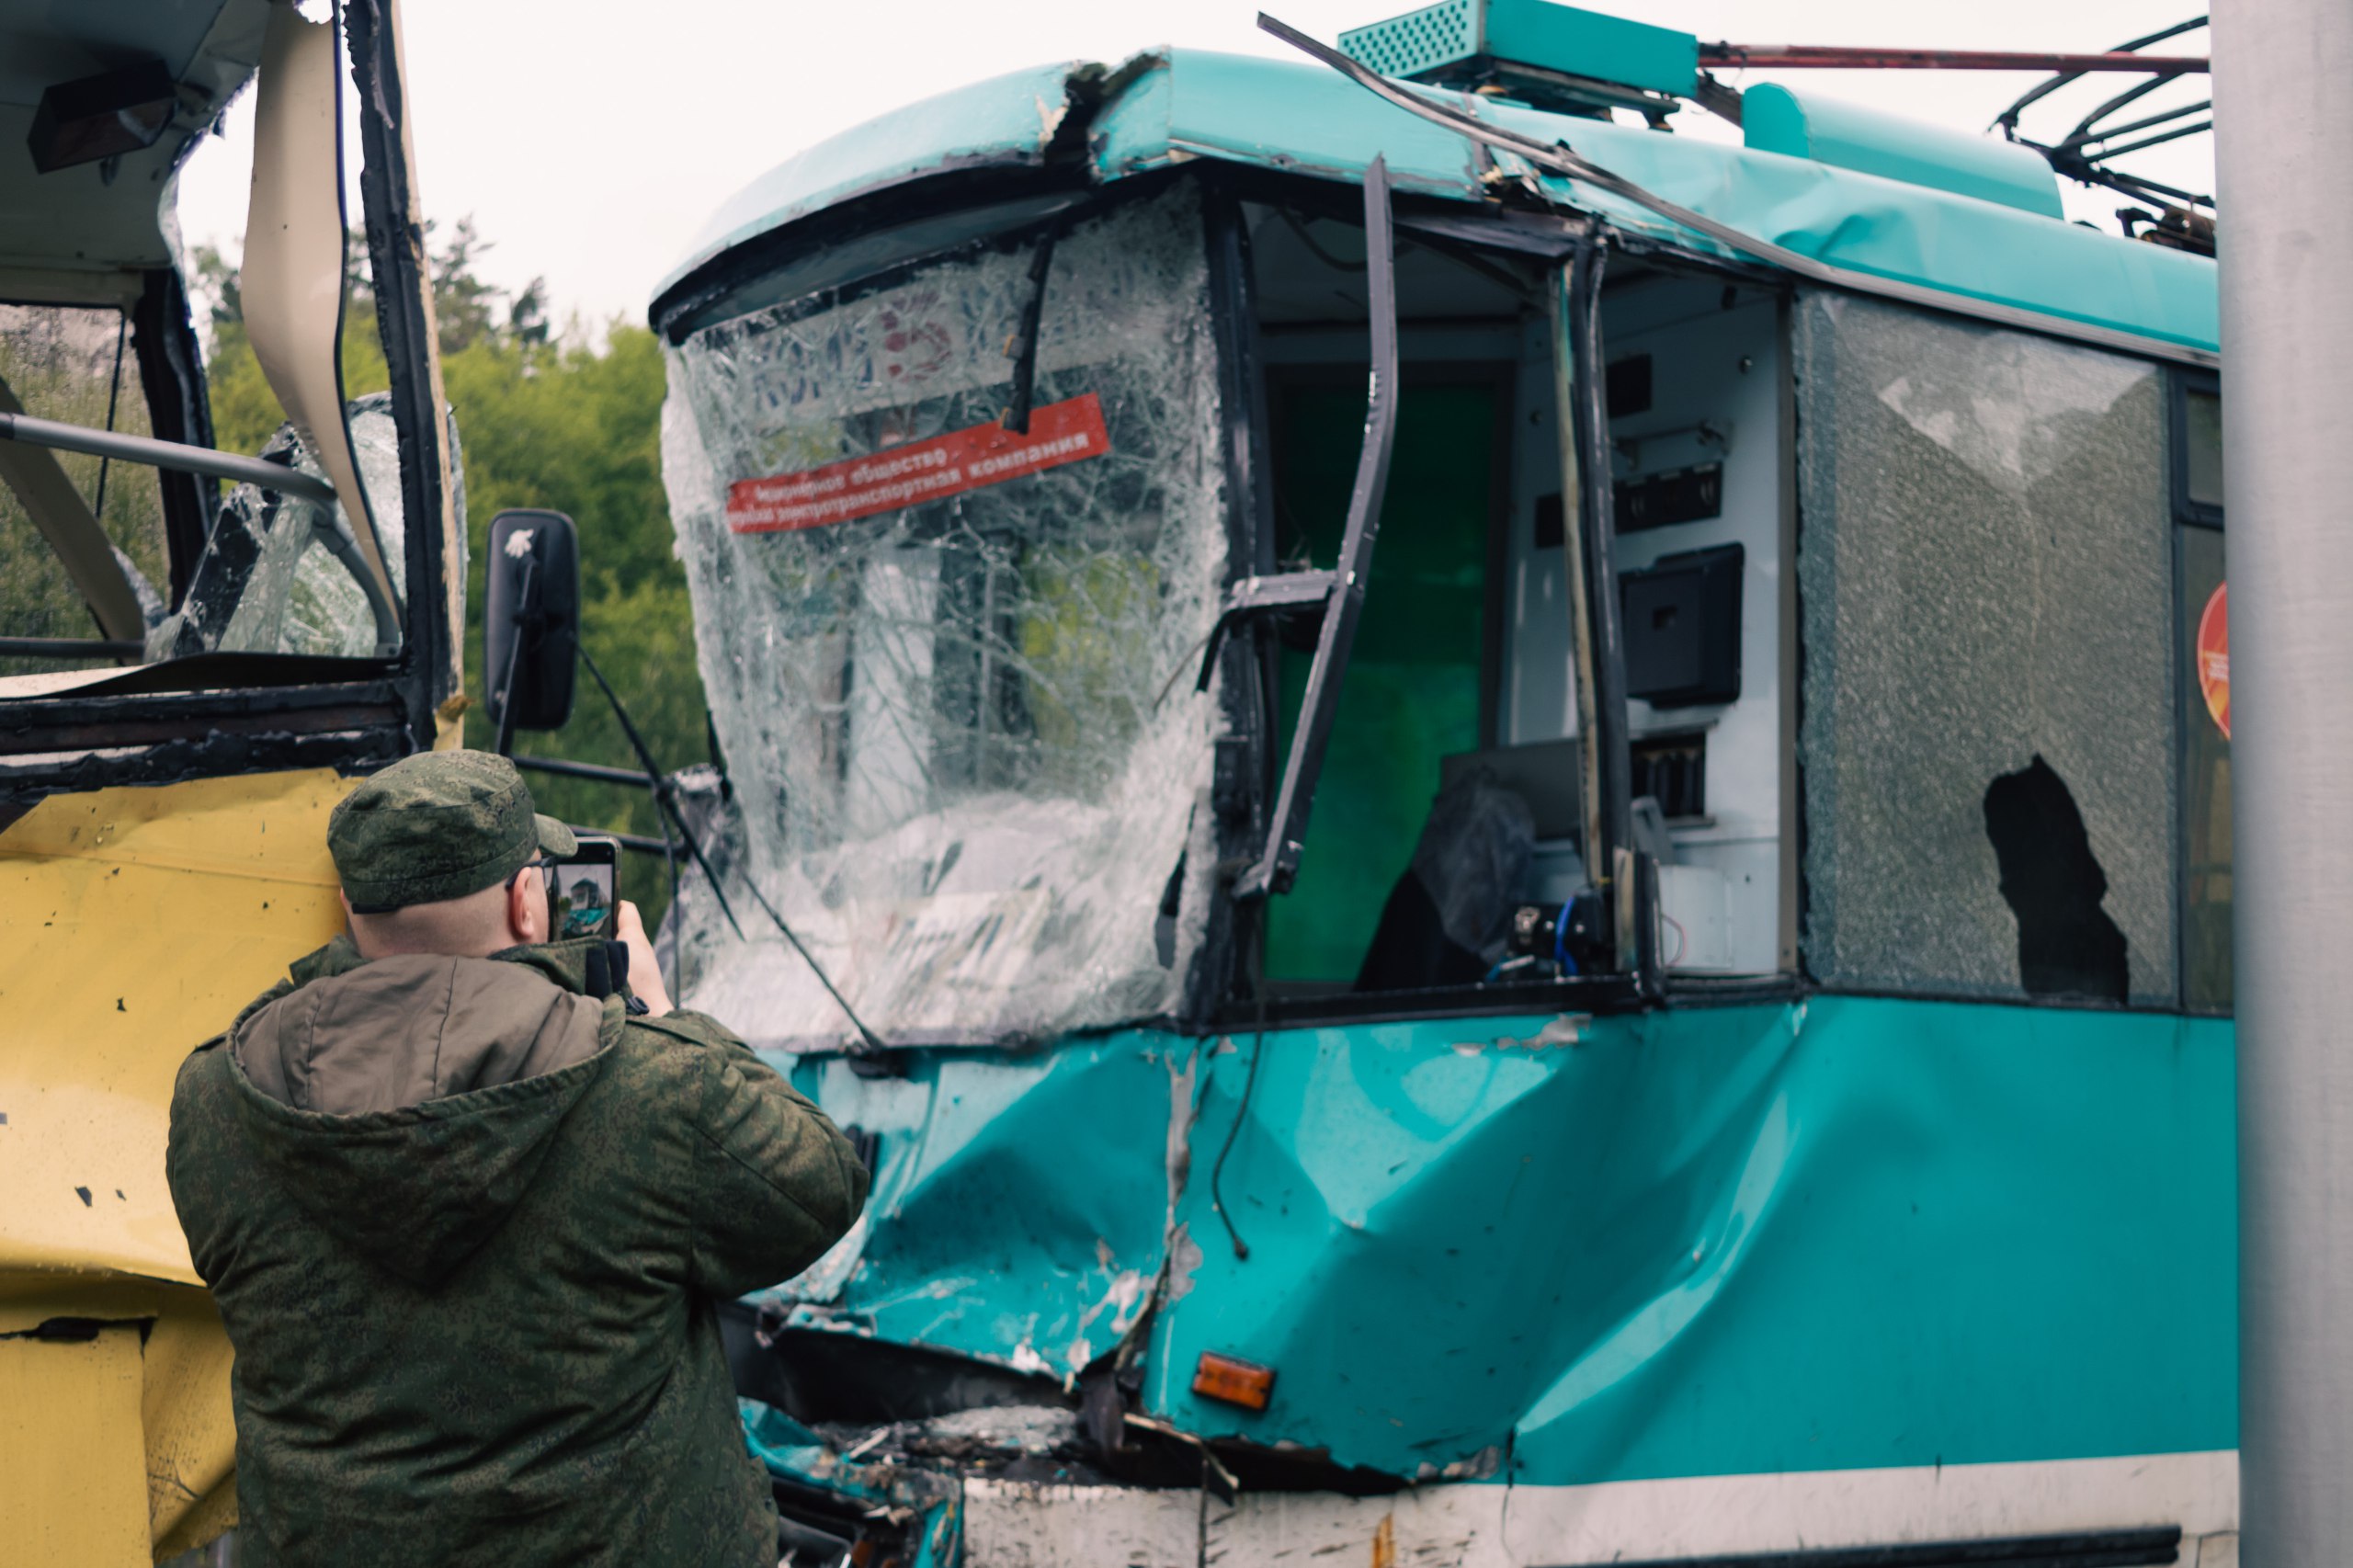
(1186, 661)
(662, 797)
(1249, 1084)
(1561, 939)
(1291, 220)
(1459, 257)
(1216, 1171)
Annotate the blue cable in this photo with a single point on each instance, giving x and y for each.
(1561, 941)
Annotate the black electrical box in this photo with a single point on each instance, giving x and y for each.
(1682, 628)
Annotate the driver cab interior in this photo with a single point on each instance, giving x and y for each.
(1446, 846)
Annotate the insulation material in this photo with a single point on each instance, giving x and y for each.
(268, 583)
(1985, 562)
(961, 767)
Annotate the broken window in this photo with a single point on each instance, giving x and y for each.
(1986, 574)
(952, 686)
(72, 364)
(283, 574)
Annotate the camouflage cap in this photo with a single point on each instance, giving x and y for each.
(438, 825)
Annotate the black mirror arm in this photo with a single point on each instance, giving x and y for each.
(505, 742)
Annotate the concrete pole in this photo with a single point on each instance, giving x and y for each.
(2283, 99)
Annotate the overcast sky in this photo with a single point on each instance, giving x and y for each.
(590, 140)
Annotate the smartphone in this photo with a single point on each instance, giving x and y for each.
(581, 899)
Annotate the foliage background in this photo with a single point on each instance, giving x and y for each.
(570, 422)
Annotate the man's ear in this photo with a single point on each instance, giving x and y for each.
(527, 908)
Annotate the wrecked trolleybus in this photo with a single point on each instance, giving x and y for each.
(1509, 832)
(200, 652)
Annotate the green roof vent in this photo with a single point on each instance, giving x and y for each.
(1555, 57)
(1775, 120)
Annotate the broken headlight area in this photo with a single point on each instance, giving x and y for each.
(870, 1442)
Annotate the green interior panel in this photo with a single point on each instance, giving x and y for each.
(1412, 690)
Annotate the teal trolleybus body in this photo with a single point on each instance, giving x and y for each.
(1737, 1060)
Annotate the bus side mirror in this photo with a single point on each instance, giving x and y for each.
(531, 622)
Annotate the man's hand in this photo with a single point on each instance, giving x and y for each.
(645, 969)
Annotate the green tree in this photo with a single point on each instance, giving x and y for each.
(570, 425)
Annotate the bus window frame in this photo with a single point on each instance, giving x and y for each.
(2181, 382)
(224, 714)
(1255, 750)
(2189, 702)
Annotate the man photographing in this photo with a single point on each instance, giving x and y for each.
(466, 1198)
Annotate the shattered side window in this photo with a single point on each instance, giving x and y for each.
(282, 574)
(73, 364)
(952, 685)
(1986, 566)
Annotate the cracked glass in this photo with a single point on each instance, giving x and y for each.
(281, 575)
(968, 762)
(1986, 566)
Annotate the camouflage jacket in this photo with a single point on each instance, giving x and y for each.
(466, 1225)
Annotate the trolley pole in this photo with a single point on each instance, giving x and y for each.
(2284, 151)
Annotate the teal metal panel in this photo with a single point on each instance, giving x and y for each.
(1588, 43)
(1530, 33)
(1418, 41)
(1849, 1234)
(1019, 1203)
(1242, 109)
(1303, 118)
(1895, 229)
(1005, 120)
(1775, 120)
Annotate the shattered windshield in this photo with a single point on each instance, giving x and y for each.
(949, 665)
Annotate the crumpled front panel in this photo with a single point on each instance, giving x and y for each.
(1020, 1206)
(1837, 1233)
(963, 745)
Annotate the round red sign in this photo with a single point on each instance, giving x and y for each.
(2214, 657)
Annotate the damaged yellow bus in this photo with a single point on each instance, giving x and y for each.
(199, 651)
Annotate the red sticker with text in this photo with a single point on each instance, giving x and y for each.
(922, 471)
(2214, 657)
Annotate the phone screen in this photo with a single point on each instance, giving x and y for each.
(582, 898)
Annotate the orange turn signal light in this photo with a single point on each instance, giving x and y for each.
(1234, 1381)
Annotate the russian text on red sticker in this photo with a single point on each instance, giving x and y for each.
(919, 472)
